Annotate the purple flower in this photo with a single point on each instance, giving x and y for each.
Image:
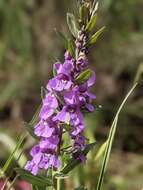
(77, 129)
(63, 116)
(42, 129)
(37, 158)
(75, 97)
(32, 167)
(49, 106)
(72, 116)
(59, 83)
(48, 161)
(65, 68)
(42, 160)
(49, 143)
(63, 80)
(71, 97)
(76, 117)
(35, 150)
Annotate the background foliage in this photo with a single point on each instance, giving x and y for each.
(29, 46)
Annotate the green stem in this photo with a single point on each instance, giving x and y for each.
(58, 184)
(56, 181)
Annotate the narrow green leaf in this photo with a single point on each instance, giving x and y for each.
(101, 151)
(9, 144)
(110, 140)
(139, 74)
(12, 155)
(74, 162)
(84, 14)
(91, 24)
(37, 180)
(72, 24)
(95, 36)
(81, 12)
(84, 76)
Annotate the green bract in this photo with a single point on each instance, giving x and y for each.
(95, 36)
(84, 76)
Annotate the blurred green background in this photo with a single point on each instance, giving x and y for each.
(29, 46)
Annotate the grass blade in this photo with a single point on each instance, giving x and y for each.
(110, 140)
(12, 155)
(101, 151)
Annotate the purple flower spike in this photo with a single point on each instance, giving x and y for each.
(63, 105)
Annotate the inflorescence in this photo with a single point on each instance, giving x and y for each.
(62, 110)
